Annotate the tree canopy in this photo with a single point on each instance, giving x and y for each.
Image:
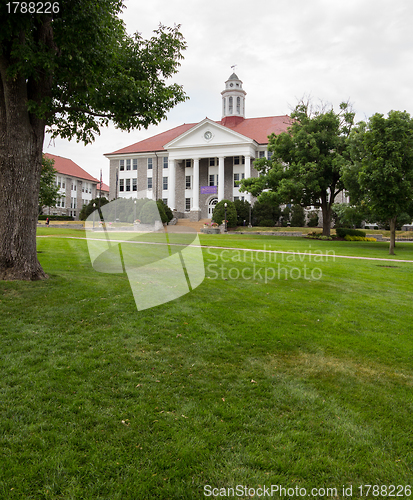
(73, 70)
(82, 69)
(304, 168)
(380, 176)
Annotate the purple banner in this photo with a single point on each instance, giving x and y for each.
(209, 189)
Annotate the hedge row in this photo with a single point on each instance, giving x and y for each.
(343, 232)
(347, 237)
(55, 217)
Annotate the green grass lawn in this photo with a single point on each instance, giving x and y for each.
(300, 374)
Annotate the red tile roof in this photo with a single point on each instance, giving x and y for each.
(260, 128)
(156, 142)
(255, 128)
(69, 167)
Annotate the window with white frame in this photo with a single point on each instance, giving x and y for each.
(187, 203)
(128, 164)
(135, 164)
(188, 163)
(230, 107)
(262, 154)
(134, 184)
(165, 200)
(213, 179)
(212, 162)
(149, 182)
(187, 182)
(237, 178)
(165, 162)
(127, 184)
(165, 183)
(150, 163)
(121, 165)
(121, 185)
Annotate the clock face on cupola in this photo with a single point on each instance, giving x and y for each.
(233, 98)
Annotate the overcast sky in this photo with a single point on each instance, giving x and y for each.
(331, 50)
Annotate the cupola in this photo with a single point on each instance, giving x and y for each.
(233, 98)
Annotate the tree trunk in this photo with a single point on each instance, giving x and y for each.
(21, 144)
(392, 235)
(326, 211)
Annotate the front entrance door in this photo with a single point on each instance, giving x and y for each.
(211, 206)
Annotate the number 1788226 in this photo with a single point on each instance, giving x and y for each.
(33, 7)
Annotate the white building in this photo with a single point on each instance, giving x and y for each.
(76, 187)
(193, 166)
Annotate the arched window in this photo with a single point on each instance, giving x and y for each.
(238, 105)
(230, 106)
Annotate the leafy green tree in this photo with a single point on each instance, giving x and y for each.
(349, 216)
(219, 213)
(149, 213)
(74, 71)
(49, 190)
(381, 175)
(312, 219)
(166, 209)
(305, 165)
(297, 216)
(161, 208)
(243, 211)
(88, 208)
(266, 209)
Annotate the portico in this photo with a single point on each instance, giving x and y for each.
(193, 166)
(207, 156)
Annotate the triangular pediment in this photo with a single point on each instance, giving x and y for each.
(207, 133)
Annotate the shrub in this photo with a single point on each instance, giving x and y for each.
(167, 210)
(266, 223)
(343, 232)
(149, 213)
(297, 216)
(88, 209)
(55, 217)
(318, 236)
(219, 213)
(243, 211)
(312, 219)
(161, 208)
(265, 210)
(348, 237)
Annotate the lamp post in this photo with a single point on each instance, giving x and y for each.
(94, 206)
(225, 205)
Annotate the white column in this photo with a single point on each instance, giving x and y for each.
(247, 174)
(171, 184)
(221, 178)
(195, 187)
